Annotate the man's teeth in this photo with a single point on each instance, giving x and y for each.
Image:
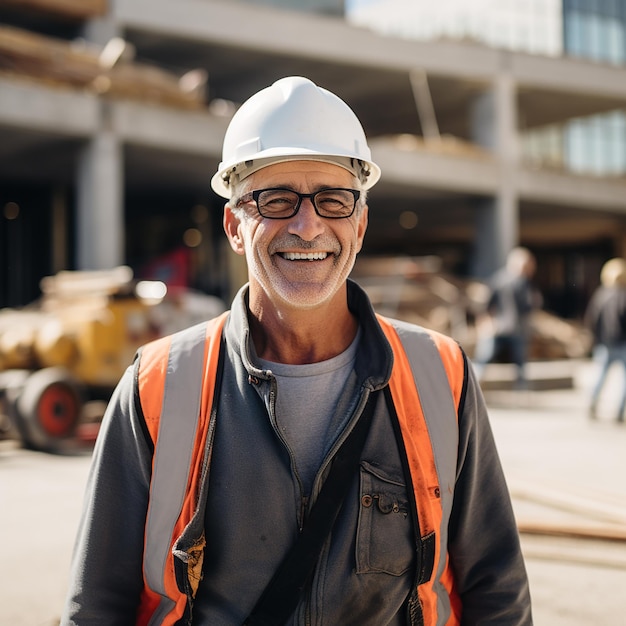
(305, 256)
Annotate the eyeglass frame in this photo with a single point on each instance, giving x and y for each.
(254, 195)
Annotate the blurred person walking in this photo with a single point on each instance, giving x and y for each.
(505, 325)
(606, 318)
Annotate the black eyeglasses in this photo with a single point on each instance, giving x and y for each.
(281, 204)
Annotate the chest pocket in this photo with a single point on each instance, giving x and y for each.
(384, 541)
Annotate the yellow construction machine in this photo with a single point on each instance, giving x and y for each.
(67, 351)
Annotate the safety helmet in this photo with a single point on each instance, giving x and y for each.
(291, 120)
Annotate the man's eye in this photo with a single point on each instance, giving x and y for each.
(277, 198)
(330, 202)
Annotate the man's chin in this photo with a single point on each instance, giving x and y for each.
(305, 296)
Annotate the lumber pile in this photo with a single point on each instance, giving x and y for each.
(448, 145)
(415, 289)
(67, 9)
(556, 338)
(82, 65)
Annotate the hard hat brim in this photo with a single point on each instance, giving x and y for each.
(221, 186)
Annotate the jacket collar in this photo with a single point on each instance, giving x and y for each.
(374, 357)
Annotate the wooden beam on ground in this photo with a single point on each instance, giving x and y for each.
(574, 531)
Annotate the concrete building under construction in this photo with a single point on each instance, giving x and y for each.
(112, 116)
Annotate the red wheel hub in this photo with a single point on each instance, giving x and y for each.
(58, 410)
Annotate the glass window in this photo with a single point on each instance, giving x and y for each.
(594, 44)
(614, 41)
(574, 34)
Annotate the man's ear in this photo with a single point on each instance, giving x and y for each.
(362, 226)
(232, 228)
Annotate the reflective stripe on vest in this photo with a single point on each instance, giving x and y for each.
(426, 385)
(176, 400)
(176, 382)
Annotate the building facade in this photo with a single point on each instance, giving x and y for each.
(534, 27)
(596, 29)
(109, 164)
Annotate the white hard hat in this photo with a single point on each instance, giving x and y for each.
(291, 120)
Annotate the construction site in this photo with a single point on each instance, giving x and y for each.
(112, 116)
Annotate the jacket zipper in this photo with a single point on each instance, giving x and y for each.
(316, 487)
(304, 500)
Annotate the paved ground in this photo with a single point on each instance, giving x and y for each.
(567, 475)
(40, 500)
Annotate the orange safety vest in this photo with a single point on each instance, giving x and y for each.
(431, 447)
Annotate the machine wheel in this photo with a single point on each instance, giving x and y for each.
(49, 408)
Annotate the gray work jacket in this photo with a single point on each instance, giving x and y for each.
(253, 507)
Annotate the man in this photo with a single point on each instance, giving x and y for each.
(220, 441)
(505, 327)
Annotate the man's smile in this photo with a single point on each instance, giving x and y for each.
(303, 256)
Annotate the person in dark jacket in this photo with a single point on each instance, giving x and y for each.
(506, 322)
(606, 318)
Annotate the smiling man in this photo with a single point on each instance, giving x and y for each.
(300, 459)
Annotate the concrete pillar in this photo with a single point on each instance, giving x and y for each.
(100, 182)
(494, 126)
(100, 203)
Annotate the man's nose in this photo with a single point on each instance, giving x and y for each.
(306, 223)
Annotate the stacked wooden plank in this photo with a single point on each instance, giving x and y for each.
(69, 9)
(416, 289)
(52, 60)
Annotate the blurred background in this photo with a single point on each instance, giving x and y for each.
(497, 123)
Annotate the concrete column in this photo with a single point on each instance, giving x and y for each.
(100, 203)
(494, 126)
(100, 182)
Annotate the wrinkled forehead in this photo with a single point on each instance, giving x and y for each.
(301, 173)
